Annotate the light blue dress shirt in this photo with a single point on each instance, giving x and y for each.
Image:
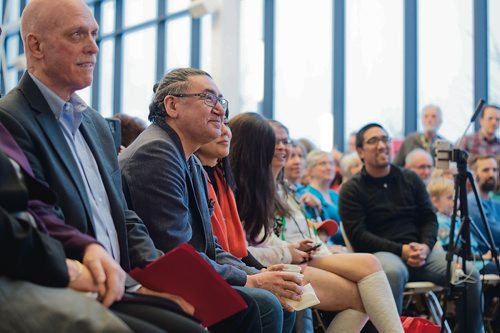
(69, 116)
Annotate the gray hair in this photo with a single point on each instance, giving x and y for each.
(435, 107)
(414, 153)
(175, 81)
(314, 156)
(347, 162)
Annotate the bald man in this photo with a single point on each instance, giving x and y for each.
(420, 161)
(432, 119)
(70, 148)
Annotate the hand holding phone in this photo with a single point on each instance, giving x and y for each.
(313, 247)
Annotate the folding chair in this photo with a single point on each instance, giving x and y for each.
(491, 309)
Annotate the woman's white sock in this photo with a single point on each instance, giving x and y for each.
(378, 302)
(348, 321)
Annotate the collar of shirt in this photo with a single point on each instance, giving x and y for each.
(380, 180)
(70, 112)
(492, 141)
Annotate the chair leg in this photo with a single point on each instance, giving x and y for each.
(319, 319)
(435, 309)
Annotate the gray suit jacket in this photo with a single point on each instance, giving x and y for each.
(170, 195)
(26, 114)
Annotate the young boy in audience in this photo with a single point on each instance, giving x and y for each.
(441, 191)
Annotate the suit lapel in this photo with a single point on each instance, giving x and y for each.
(49, 125)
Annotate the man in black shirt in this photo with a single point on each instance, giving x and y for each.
(386, 211)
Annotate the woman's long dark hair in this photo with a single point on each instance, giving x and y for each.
(252, 151)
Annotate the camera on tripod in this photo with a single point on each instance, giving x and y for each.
(448, 157)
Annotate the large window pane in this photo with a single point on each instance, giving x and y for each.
(178, 42)
(138, 11)
(251, 55)
(206, 43)
(446, 61)
(11, 12)
(494, 51)
(139, 59)
(106, 71)
(14, 62)
(303, 69)
(374, 64)
(174, 6)
(108, 17)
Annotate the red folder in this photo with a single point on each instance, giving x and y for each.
(185, 273)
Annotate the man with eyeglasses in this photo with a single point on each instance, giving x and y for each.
(386, 211)
(165, 183)
(420, 162)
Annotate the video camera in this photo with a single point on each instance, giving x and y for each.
(447, 156)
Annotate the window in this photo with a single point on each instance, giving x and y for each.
(178, 43)
(251, 55)
(446, 62)
(138, 11)
(139, 59)
(494, 51)
(303, 65)
(174, 6)
(374, 65)
(206, 43)
(108, 18)
(106, 78)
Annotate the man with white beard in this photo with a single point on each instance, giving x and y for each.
(431, 121)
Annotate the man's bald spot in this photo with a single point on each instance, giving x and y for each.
(415, 155)
(38, 15)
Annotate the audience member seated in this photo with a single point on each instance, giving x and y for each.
(131, 127)
(350, 164)
(309, 146)
(166, 185)
(294, 171)
(485, 141)
(485, 170)
(351, 143)
(295, 165)
(441, 191)
(420, 162)
(431, 121)
(37, 281)
(226, 222)
(353, 285)
(387, 211)
(70, 148)
(321, 170)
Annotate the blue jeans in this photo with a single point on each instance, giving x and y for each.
(304, 321)
(434, 270)
(274, 319)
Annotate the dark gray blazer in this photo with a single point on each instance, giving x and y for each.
(26, 114)
(170, 195)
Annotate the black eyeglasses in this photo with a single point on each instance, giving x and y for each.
(283, 141)
(373, 141)
(209, 99)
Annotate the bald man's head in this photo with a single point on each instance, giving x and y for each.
(420, 161)
(60, 44)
